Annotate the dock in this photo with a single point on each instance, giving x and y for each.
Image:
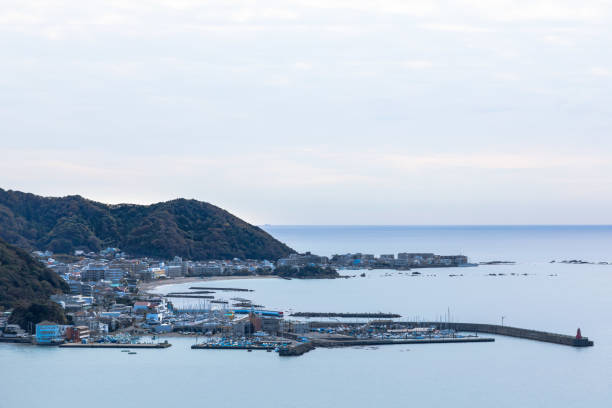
(547, 337)
(222, 289)
(348, 315)
(379, 342)
(295, 350)
(232, 347)
(117, 345)
(190, 296)
(24, 340)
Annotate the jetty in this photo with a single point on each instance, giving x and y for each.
(117, 345)
(169, 295)
(348, 315)
(296, 349)
(206, 346)
(24, 340)
(379, 342)
(222, 289)
(548, 337)
(575, 341)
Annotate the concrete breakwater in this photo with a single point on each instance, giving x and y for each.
(170, 295)
(380, 342)
(348, 315)
(117, 345)
(510, 331)
(537, 335)
(296, 349)
(233, 347)
(221, 289)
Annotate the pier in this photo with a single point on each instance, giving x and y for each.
(117, 345)
(379, 342)
(348, 315)
(563, 339)
(296, 349)
(222, 289)
(548, 337)
(189, 296)
(233, 347)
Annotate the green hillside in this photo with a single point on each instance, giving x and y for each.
(187, 228)
(24, 279)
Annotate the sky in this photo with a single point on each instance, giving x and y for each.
(315, 112)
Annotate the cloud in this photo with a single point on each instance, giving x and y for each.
(416, 64)
(456, 28)
(600, 72)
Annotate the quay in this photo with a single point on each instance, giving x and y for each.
(298, 349)
(379, 342)
(347, 315)
(170, 295)
(233, 347)
(295, 350)
(117, 345)
(25, 340)
(222, 289)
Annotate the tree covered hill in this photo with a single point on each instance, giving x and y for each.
(187, 228)
(23, 279)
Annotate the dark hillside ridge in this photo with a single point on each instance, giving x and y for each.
(23, 279)
(188, 228)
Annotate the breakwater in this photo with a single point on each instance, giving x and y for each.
(222, 289)
(296, 349)
(233, 347)
(15, 340)
(170, 295)
(348, 315)
(380, 342)
(117, 345)
(510, 331)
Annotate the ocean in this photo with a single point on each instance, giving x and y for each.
(533, 293)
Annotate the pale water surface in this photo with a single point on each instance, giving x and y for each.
(506, 373)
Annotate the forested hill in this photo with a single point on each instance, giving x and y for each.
(24, 279)
(188, 228)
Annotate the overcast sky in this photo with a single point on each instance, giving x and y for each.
(315, 112)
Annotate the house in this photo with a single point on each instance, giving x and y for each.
(141, 307)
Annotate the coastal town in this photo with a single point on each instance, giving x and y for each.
(110, 299)
(111, 304)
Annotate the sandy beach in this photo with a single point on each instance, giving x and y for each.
(149, 286)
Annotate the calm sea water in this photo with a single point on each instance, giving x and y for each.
(506, 373)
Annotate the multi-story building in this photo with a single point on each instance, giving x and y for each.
(114, 275)
(48, 333)
(78, 334)
(175, 271)
(302, 260)
(93, 273)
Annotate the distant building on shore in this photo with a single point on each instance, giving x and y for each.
(48, 333)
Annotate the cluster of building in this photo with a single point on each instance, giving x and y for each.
(116, 269)
(404, 260)
(93, 320)
(104, 294)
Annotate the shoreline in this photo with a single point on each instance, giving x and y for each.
(149, 286)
